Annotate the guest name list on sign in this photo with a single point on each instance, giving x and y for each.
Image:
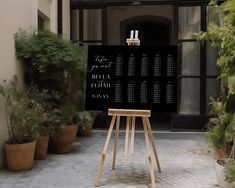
(132, 77)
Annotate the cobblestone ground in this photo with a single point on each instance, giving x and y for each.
(185, 161)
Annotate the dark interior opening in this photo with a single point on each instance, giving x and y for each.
(150, 32)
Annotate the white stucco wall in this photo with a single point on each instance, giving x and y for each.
(66, 19)
(13, 15)
(44, 7)
(48, 9)
(117, 14)
(53, 16)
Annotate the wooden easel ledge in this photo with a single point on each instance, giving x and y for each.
(129, 112)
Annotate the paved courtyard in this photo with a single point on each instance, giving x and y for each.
(185, 161)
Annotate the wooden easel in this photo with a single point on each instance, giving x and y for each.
(130, 125)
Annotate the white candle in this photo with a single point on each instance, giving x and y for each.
(136, 34)
(132, 34)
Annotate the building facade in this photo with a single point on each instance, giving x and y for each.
(160, 22)
(101, 22)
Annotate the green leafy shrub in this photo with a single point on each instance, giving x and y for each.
(218, 134)
(85, 118)
(222, 37)
(57, 66)
(220, 34)
(230, 173)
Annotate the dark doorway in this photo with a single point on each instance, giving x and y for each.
(153, 30)
(150, 33)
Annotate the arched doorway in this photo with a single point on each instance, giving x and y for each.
(153, 30)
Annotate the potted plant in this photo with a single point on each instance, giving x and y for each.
(65, 134)
(47, 127)
(57, 66)
(222, 37)
(224, 129)
(230, 173)
(220, 167)
(85, 120)
(225, 169)
(45, 130)
(23, 117)
(220, 135)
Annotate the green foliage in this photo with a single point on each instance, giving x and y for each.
(218, 126)
(230, 173)
(85, 119)
(57, 66)
(51, 118)
(220, 34)
(229, 6)
(44, 49)
(216, 133)
(23, 115)
(222, 37)
(221, 128)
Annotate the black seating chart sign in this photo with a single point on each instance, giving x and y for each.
(132, 77)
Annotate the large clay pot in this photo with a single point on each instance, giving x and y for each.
(41, 147)
(220, 174)
(64, 138)
(20, 156)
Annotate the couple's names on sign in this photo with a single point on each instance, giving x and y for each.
(132, 77)
(100, 78)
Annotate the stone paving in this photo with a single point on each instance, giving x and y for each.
(185, 160)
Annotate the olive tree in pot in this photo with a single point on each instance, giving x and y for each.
(57, 66)
(23, 117)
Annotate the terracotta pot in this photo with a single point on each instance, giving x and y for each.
(20, 156)
(84, 132)
(220, 174)
(41, 147)
(64, 138)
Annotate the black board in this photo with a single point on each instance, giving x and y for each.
(132, 77)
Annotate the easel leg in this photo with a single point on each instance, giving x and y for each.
(153, 143)
(148, 153)
(132, 134)
(102, 157)
(116, 142)
(127, 135)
